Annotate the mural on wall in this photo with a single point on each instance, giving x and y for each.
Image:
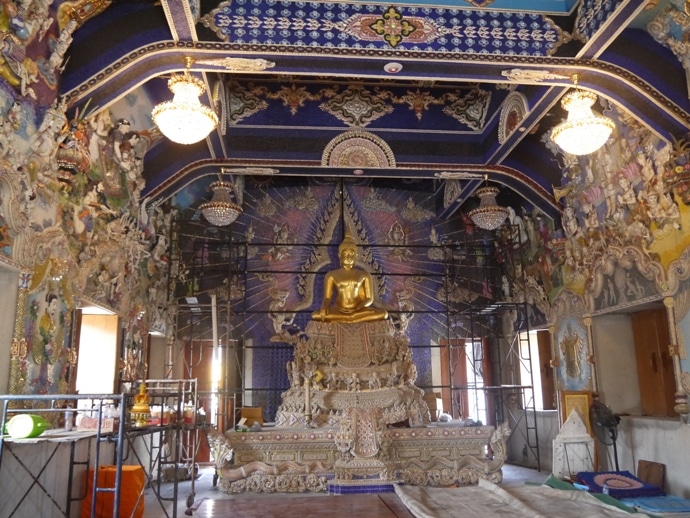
(617, 281)
(571, 344)
(48, 365)
(133, 364)
(69, 201)
(623, 219)
(530, 252)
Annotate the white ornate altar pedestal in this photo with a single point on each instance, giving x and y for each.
(353, 421)
(573, 448)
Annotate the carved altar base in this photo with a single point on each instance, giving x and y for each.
(364, 366)
(311, 459)
(354, 421)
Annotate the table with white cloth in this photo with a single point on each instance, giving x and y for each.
(44, 476)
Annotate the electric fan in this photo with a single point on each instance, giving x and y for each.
(605, 425)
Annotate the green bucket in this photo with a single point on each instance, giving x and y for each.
(25, 426)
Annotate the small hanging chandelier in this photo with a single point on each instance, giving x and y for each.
(583, 132)
(221, 210)
(184, 119)
(489, 215)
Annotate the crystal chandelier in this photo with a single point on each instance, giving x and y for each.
(583, 132)
(184, 119)
(489, 215)
(221, 210)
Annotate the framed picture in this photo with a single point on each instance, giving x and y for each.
(574, 373)
(576, 399)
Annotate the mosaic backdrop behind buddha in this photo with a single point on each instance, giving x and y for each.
(290, 235)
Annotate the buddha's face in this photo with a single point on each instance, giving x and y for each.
(52, 307)
(347, 257)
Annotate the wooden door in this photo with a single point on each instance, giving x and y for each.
(654, 363)
(548, 387)
(454, 374)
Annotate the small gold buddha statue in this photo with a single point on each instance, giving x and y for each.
(354, 289)
(141, 411)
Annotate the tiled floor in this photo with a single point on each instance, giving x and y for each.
(208, 501)
(383, 505)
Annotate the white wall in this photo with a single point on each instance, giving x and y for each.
(614, 351)
(547, 429)
(9, 281)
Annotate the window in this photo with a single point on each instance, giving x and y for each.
(535, 368)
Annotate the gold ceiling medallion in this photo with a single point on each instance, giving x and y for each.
(392, 27)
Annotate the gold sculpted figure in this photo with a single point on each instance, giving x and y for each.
(354, 291)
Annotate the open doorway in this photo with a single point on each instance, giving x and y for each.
(97, 337)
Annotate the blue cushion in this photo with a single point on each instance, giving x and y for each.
(621, 484)
(660, 504)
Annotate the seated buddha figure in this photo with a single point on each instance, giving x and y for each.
(353, 289)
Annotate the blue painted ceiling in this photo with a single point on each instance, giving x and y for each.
(120, 59)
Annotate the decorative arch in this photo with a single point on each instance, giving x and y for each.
(358, 149)
(513, 111)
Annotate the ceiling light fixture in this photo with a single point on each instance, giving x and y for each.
(184, 119)
(584, 132)
(392, 67)
(221, 210)
(489, 215)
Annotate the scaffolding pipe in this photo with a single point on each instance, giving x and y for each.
(214, 324)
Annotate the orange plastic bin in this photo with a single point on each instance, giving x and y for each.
(131, 493)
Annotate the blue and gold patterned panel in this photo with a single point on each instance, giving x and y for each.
(344, 27)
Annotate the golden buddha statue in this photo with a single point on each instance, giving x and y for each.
(354, 289)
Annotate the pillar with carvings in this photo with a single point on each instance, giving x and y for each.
(590, 354)
(681, 406)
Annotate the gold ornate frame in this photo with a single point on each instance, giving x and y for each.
(576, 399)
